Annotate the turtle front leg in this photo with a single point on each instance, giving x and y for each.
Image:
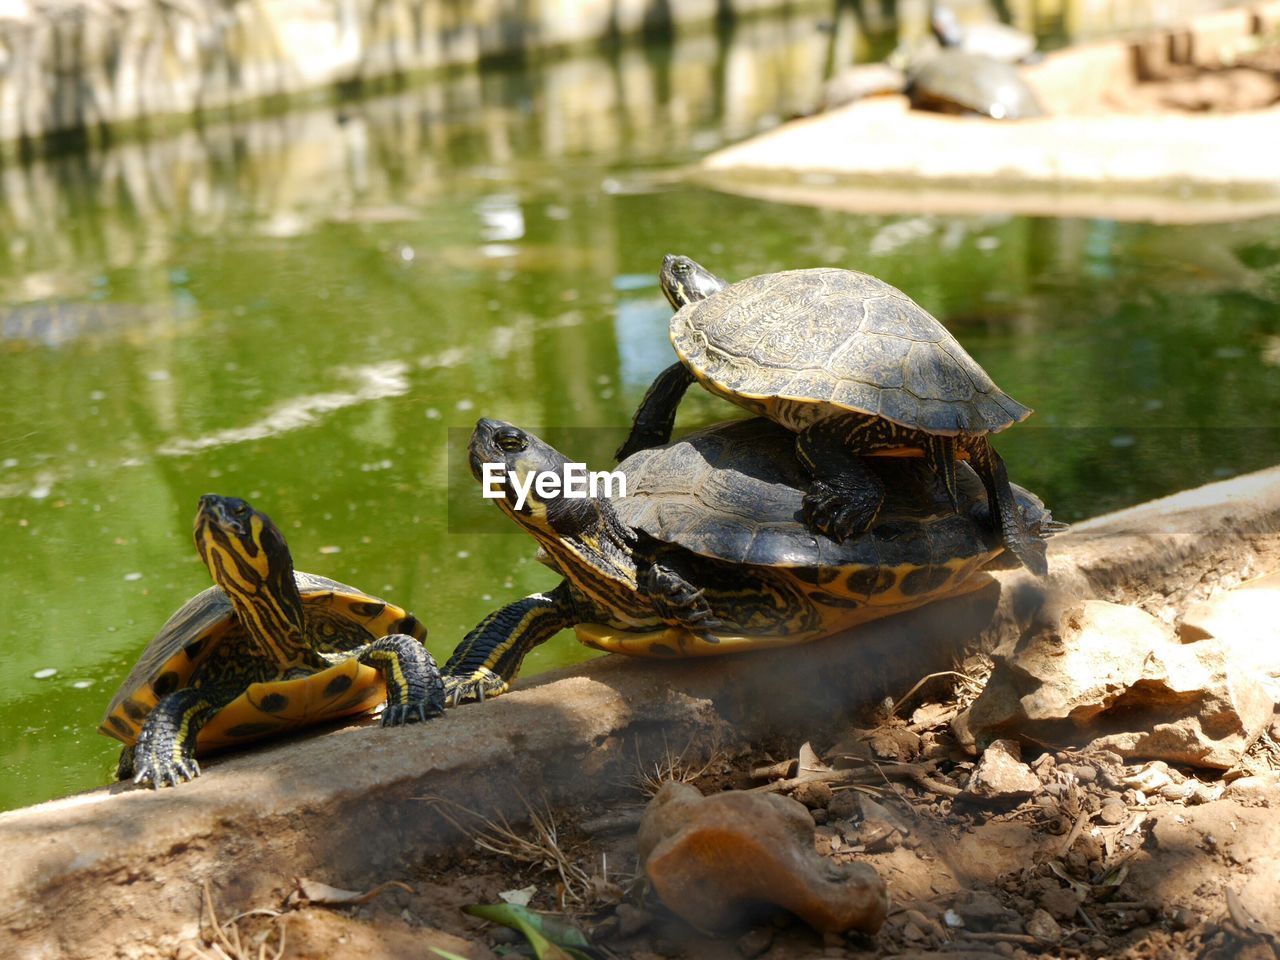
(415, 689)
(845, 495)
(676, 600)
(656, 416)
(489, 657)
(165, 754)
(1029, 549)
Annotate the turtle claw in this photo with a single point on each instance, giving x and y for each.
(676, 600)
(837, 514)
(399, 714)
(156, 775)
(480, 684)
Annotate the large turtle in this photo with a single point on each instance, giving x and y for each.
(851, 364)
(266, 650)
(969, 83)
(706, 552)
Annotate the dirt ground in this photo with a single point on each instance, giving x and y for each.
(1110, 860)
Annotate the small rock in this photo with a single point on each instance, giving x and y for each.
(631, 920)
(1268, 782)
(712, 860)
(895, 743)
(1183, 919)
(1081, 771)
(1113, 811)
(755, 942)
(819, 816)
(844, 805)
(1000, 776)
(982, 911)
(815, 794)
(1061, 903)
(1043, 925)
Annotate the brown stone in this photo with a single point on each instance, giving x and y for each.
(1060, 902)
(1000, 776)
(1115, 676)
(714, 859)
(1043, 925)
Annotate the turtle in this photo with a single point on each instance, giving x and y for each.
(956, 82)
(998, 41)
(706, 553)
(853, 366)
(265, 650)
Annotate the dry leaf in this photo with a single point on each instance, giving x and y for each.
(323, 895)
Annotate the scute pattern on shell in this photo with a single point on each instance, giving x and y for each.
(842, 338)
(733, 492)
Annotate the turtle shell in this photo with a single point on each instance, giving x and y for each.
(206, 630)
(733, 492)
(802, 345)
(957, 82)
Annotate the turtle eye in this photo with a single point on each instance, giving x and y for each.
(512, 441)
(240, 510)
(680, 268)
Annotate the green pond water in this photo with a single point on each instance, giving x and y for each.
(310, 311)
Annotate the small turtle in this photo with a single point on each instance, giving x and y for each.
(266, 650)
(995, 40)
(851, 364)
(706, 552)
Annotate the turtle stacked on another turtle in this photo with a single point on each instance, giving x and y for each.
(854, 367)
(853, 503)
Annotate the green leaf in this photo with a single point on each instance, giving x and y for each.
(447, 954)
(551, 939)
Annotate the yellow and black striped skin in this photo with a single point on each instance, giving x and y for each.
(720, 511)
(267, 651)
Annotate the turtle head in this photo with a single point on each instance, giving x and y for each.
(946, 26)
(513, 460)
(249, 559)
(685, 281)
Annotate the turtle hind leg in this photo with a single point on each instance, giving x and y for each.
(1029, 549)
(124, 766)
(415, 689)
(489, 657)
(940, 455)
(165, 754)
(656, 416)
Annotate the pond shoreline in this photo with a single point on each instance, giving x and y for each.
(92, 873)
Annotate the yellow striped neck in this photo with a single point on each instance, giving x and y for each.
(263, 591)
(601, 568)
